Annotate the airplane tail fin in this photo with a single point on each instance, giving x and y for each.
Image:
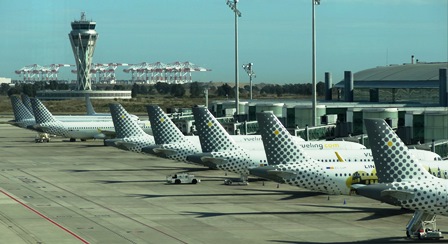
(41, 113)
(213, 136)
(27, 102)
(279, 144)
(163, 129)
(393, 160)
(124, 125)
(21, 113)
(89, 106)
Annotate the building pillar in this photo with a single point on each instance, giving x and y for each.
(328, 86)
(443, 88)
(348, 86)
(374, 95)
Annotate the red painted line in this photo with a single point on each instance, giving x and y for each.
(45, 217)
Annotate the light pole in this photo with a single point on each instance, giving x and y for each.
(314, 3)
(251, 73)
(232, 6)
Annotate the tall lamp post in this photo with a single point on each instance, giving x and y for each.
(251, 73)
(314, 3)
(233, 7)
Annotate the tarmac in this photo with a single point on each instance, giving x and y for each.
(84, 192)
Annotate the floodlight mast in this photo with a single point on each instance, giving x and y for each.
(250, 72)
(314, 3)
(233, 6)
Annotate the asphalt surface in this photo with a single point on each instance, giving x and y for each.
(84, 192)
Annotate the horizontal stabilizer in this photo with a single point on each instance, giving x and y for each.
(357, 186)
(286, 175)
(125, 144)
(108, 133)
(398, 194)
(100, 136)
(215, 161)
(165, 151)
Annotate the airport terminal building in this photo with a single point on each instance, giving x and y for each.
(413, 98)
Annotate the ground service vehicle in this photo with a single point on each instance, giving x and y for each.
(429, 231)
(42, 137)
(182, 178)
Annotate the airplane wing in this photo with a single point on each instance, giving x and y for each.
(283, 174)
(398, 194)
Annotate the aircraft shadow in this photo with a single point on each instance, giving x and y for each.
(377, 213)
(126, 181)
(391, 239)
(298, 195)
(291, 195)
(105, 170)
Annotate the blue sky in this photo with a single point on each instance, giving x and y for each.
(275, 35)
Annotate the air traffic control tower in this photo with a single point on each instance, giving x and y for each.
(83, 39)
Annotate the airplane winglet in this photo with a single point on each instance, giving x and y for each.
(340, 159)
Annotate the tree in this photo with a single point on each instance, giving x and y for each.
(195, 89)
(29, 90)
(134, 90)
(225, 91)
(163, 87)
(4, 87)
(13, 90)
(177, 90)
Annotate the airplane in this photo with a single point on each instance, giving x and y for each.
(171, 143)
(220, 152)
(403, 180)
(24, 117)
(129, 135)
(165, 132)
(79, 129)
(289, 163)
